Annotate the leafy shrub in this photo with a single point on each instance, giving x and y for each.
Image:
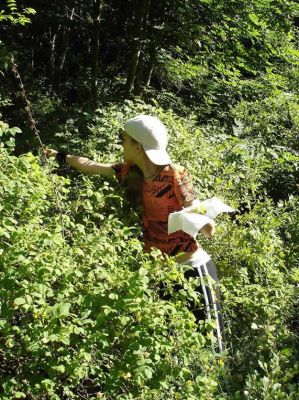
(80, 305)
(272, 119)
(80, 311)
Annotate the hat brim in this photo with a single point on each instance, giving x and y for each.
(158, 157)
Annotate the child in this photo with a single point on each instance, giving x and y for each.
(163, 188)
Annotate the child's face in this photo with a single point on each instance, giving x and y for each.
(130, 149)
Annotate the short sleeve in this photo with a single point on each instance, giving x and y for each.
(121, 170)
(183, 187)
(131, 179)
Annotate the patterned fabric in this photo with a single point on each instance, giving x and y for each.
(160, 196)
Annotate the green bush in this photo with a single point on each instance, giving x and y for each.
(273, 119)
(80, 309)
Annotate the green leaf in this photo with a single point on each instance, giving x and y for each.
(19, 301)
(142, 271)
(61, 310)
(20, 395)
(59, 368)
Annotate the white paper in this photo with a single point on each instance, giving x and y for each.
(191, 222)
(215, 206)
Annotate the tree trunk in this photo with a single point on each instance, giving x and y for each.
(139, 73)
(64, 46)
(95, 49)
(152, 54)
(32, 57)
(142, 55)
(148, 57)
(52, 55)
(142, 7)
(151, 65)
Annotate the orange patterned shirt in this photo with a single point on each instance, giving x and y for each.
(160, 196)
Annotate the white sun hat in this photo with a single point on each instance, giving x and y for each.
(151, 133)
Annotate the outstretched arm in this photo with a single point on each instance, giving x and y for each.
(84, 164)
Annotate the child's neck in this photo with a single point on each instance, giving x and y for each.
(148, 169)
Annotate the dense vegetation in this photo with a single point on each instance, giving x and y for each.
(80, 314)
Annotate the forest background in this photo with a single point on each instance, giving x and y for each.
(80, 315)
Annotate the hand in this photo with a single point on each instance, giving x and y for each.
(208, 230)
(50, 153)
